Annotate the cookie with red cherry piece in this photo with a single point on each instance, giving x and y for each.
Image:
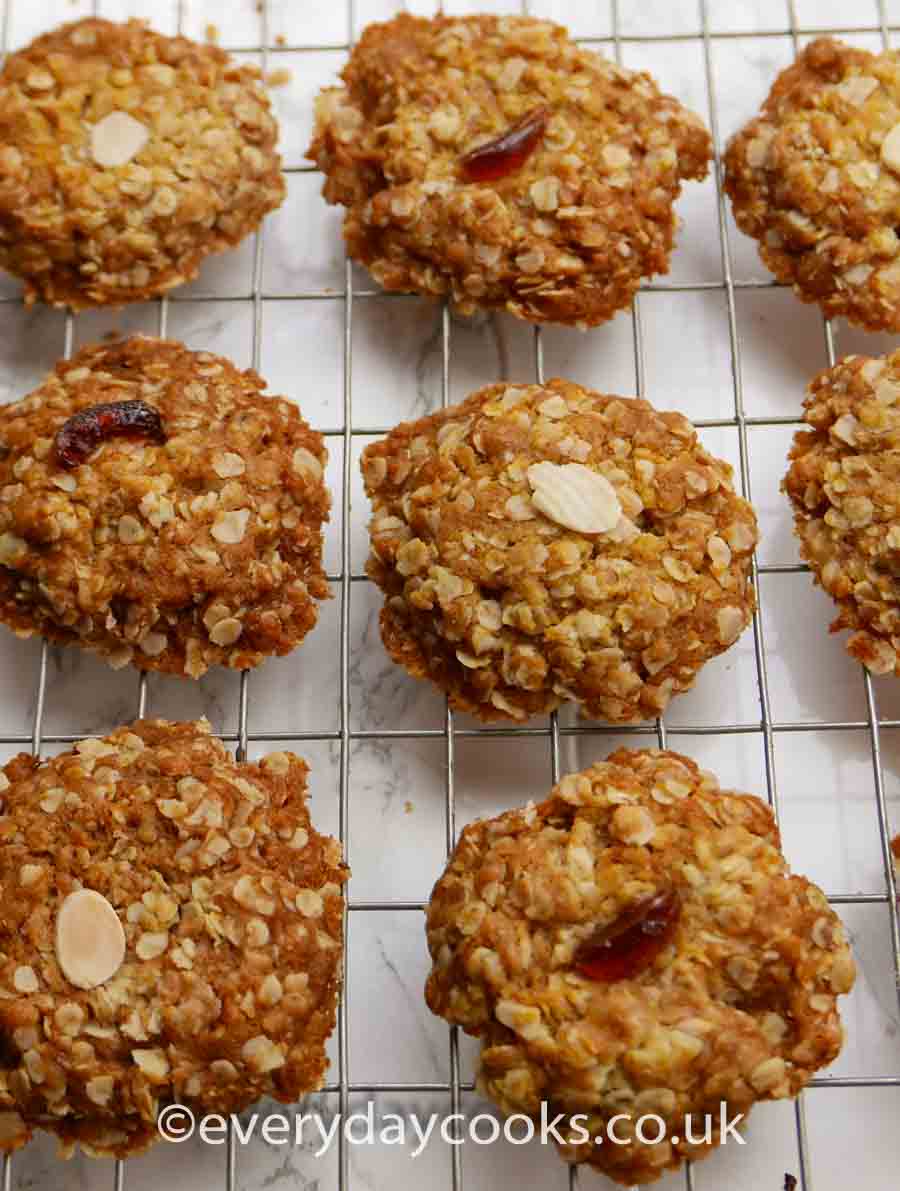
(171, 932)
(494, 160)
(815, 179)
(636, 944)
(127, 158)
(539, 544)
(158, 507)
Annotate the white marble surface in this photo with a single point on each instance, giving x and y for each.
(823, 777)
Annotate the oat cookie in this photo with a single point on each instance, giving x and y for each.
(170, 931)
(844, 484)
(125, 159)
(815, 178)
(542, 933)
(559, 226)
(196, 543)
(539, 543)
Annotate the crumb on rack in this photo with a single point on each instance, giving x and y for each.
(278, 78)
(280, 39)
(408, 807)
(212, 34)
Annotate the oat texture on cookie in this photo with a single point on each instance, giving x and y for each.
(815, 178)
(844, 485)
(544, 543)
(170, 931)
(182, 534)
(738, 1005)
(126, 158)
(561, 225)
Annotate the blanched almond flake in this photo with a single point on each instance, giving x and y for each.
(90, 941)
(574, 496)
(117, 138)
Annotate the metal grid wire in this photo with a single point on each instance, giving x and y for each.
(344, 580)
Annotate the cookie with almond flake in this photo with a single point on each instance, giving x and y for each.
(170, 932)
(815, 178)
(158, 507)
(494, 160)
(126, 158)
(544, 543)
(636, 944)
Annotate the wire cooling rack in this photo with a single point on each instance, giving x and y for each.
(703, 33)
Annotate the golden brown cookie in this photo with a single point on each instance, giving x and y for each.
(634, 945)
(815, 178)
(170, 932)
(193, 540)
(126, 158)
(844, 484)
(543, 543)
(557, 224)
